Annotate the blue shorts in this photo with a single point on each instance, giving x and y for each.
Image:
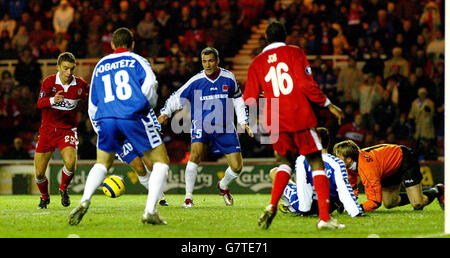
(220, 143)
(128, 153)
(113, 133)
(290, 196)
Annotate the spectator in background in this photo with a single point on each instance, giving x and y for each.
(396, 60)
(107, 35)
(354, 22)
(16, 8)
(20, 40)
(10, 117)
(403, 130)
(420, 59)
(77, 45)
(431, 17)
(421, 42)
(422, 112)
(60, 42)
(94, 45)
(7, 83)
(435, 49)
(385, 112)
(28, 71)
(327, 80)
(402, 94)
(145, 30)
(8, 24)
(8, 52)
(374, 64)
(293, 38)
(16, 151)
(409, 33)
(381, 29)
(38, 36)
(353, 131)
(63, 16)
(349, 79)
(369, 94)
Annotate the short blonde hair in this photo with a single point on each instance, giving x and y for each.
(347, 149)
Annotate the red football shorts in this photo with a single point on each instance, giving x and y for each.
(51, 138)
(301, 142)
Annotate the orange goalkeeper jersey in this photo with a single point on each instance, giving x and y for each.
(374, 164)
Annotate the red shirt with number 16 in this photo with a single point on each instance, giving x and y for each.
(282, 71)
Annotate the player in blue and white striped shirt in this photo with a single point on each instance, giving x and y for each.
(211, 95)
(122, 95)
(300, 197)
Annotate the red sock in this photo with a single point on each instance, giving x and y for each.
(281, 180)
(322, 187)
(66, 177)
(43, 187)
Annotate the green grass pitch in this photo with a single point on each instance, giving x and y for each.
(210, 218)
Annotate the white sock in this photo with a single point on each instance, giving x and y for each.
(144, 180)
(190, 176)
(156, 185)
(95, 178)
(230, 175)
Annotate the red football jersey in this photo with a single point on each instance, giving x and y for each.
(282, 71)
(63, 114)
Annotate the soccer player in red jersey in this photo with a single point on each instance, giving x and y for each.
(59, 101)
(283, 73)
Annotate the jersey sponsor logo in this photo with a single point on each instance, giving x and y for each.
(367, 157)
(67, 104)
(308, 70)
(225, 88)
(42, 94)
(215, 96)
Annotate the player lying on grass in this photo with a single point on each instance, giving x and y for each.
(142, 167)
(300, 197)
(383, 169)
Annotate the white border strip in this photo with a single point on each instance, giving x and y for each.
(447, 124)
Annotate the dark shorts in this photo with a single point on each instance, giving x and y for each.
(409, 172)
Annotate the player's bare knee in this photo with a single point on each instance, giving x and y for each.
(40, 176)
(71, 166)
(196, 158)
(236, 167)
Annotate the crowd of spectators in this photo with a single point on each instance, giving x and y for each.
(392, 88)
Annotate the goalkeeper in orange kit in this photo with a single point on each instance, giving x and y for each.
(383, 169)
